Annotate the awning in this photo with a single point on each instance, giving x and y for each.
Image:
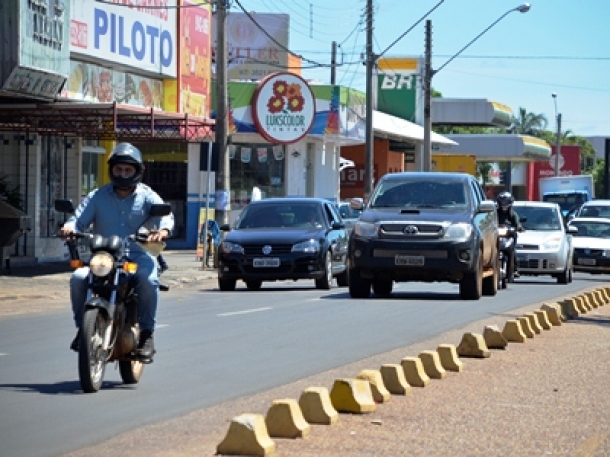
(394, 128)
(494, 148)
(105, 121)
(470, 111)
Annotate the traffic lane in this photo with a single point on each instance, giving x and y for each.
(208, 354)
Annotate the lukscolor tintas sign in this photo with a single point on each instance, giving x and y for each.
(283, 108)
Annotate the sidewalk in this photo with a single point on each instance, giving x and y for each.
(28, 282)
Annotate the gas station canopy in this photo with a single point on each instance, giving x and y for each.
(494, 148)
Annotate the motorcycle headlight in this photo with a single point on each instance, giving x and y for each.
(101, 264)
(458, 231)
(366, 229)
(228, 247)
(307, 246)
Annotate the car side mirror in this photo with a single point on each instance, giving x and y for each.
(160, 209)
(64, 205)
(225, 228)
(571, 229)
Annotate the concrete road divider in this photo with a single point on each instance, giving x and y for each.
(352, 396)
(513, 332)
(473, 345)
(554, 313)
(414, 372)
(449, 357)
(285, 420)
(526, 327)
(316, 406)
(394, 379)
(534, 324)
(493, 337)
(247, 435)
(543, 319)
(432, 364)
(374, 378)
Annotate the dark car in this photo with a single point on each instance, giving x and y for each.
(284, 238)
(348, 214)
(421, 226)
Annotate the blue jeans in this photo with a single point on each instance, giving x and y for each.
(146, 280)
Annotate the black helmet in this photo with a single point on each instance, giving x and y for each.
(128, 154)
(505, 200)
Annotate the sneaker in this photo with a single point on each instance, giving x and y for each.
(75, 344)
(146, 346)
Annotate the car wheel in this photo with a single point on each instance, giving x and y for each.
(358, 286)
(471, 285)
(226, 285)
(565, 277)
(326, 281)
(254, 284)
(490, 283)
(382, 287)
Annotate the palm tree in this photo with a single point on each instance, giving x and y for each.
(528, 123)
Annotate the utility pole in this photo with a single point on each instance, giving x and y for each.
(333, 63)
(558, 145)
(370, 140)
(426, 161)
(223, 182)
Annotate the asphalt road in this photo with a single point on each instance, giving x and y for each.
(215, 346)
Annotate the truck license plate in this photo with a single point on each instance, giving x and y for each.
(409, 260)
(266, 262)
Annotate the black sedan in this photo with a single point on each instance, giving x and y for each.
(284, 238)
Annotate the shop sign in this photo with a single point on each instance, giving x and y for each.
(397, 90)
(283, 108)
(126, 32)
(37, 48)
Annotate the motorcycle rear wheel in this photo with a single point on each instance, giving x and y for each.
(131, 371)
(91, 355)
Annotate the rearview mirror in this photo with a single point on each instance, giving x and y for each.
(64, 205)
(160, 209)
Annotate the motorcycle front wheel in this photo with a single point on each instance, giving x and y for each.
(91, 355)
(131, 371)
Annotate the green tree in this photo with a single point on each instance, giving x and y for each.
(527, 123)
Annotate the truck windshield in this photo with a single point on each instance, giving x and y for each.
(565, 201)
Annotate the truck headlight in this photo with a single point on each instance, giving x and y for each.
(228, 247)
(307, 246)
(366, 229)
(101, 264)
(458, 231)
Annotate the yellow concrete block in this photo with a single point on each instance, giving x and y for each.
(493, 337)
(526, 327)
(584, 303)
(432, 364)
(380, 393)
(473, 345)
(570, 308)
(513, 332)
(285, 420)
(534, 324)
(604, 294)
(394, 379)
(543, 319)
(316, 406)
(593, 299)
(553, 311)
(449, 357)
(600, 297)
(247, 435)
(414, 372)
(352, 396)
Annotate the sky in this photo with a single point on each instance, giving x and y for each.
(558, 46)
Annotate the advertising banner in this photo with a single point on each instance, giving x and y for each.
(126, 32)
(195, 58)
(398, 88)
(256, 50)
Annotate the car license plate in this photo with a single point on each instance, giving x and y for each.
(266, 262)
(409, 260)
(586, 262)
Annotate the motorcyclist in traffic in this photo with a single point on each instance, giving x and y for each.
(508, 216)
(120, 208)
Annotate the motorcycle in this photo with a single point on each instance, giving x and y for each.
(507, 254)
(110, 330)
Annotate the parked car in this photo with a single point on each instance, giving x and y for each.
(421, 226)
(591, 244)
(545, 247)
(284, 238)
(348, 214)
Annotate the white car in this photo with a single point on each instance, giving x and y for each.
(545, 247)
(591, 244)
(594, 208)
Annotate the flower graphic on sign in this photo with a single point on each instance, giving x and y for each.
(285, 97)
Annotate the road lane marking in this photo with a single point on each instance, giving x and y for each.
(247, 311)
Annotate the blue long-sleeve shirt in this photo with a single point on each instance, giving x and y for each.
(112, 215)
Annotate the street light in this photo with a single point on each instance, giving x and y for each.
(558, 140)
(429, 73)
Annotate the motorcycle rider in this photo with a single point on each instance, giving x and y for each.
(508, 216)
(120, 208)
